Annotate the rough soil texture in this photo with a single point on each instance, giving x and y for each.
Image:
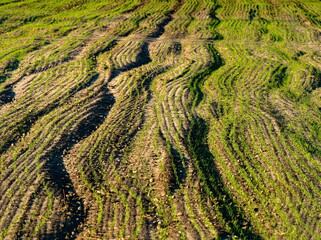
(177, 119)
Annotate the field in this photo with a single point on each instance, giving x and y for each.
(160, 119)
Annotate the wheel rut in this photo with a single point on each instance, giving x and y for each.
(57, 177)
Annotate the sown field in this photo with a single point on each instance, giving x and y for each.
(160, 119)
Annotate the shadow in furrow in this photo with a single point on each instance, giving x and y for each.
(196, 83)
(215, 23)
(233, 216)
(7, 95)
(317, 79)
(161, 26)
(3, 19)
(279, 75)
(252, 14)
(58, 179)
(134, 8)
(179, 170)
(6, 3)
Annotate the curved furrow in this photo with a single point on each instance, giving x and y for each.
(119, 117)
(278, 163)
(55, 177)
(182, 19)
(114, 138)
(254, 175)
(175, 142)
(39, 106)
(297, 168)
(290, 171)
(245, 175)
(308, 167)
